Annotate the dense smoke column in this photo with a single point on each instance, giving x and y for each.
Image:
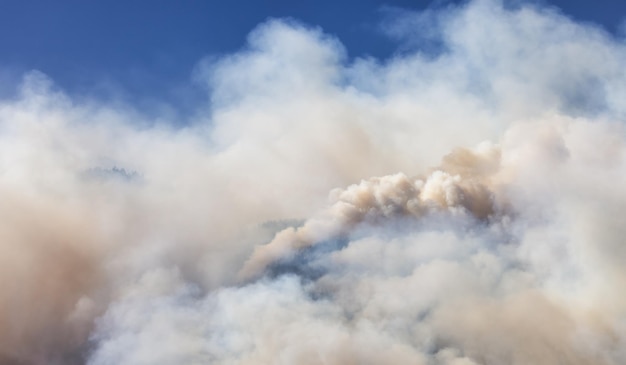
(457, 208)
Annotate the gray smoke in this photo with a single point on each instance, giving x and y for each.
(456, 208)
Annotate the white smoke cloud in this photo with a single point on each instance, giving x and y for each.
(455, 208)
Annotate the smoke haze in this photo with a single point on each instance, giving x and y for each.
(458, 207)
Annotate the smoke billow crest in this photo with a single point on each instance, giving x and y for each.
(391, 198)
(461, 208)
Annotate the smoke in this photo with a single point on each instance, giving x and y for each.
(456, 207)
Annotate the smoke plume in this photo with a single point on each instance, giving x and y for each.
(460, 206)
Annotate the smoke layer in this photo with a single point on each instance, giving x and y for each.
(453, 208)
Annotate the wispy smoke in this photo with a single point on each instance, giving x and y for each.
(460, 207)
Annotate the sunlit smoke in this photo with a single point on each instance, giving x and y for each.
(456, 206)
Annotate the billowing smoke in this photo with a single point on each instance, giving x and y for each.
(459, 206)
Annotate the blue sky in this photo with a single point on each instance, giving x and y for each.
(148, 49)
